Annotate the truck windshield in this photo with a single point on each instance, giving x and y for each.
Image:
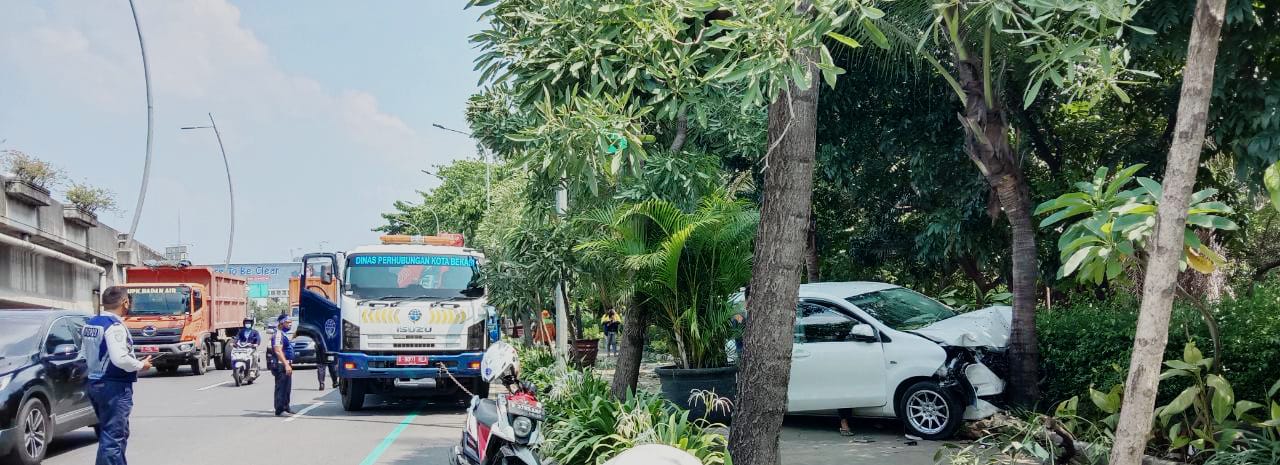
(159, 300)
(404, 276)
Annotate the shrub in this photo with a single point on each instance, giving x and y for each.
(30, 170)
(587, 426)
(1088, 343)
(90, 199)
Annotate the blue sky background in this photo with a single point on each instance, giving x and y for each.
(325, 108)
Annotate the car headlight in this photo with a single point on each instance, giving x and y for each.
(6, 379)
(185, 347)
(522, 426)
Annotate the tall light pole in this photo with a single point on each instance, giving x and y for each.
(428, 173)
(146, 165)
(484, 156)
(231, 193)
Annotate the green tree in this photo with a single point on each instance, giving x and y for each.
(458, 204)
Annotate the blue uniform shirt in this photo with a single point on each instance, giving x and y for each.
(249, 335)
(282, 340)
(109, 349)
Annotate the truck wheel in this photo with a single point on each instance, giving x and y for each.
(222, 359)
(353, 391)
(198, 366)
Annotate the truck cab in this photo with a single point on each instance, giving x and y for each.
(407, 313)
(183, 315)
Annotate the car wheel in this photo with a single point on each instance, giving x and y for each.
(34, 432)
(929, 412)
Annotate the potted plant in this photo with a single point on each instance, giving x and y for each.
(85, 202)
(32, 178)
(685, 268)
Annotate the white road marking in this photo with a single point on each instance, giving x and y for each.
(211, 386)
(303, 411)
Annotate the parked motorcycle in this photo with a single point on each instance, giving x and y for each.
(502, 431)
(244, 363)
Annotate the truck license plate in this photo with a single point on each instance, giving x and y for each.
(412, 360)
(149, 349)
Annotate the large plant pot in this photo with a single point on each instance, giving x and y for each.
(679, 383)
(79, 216)
(584, 352)
(28, 193)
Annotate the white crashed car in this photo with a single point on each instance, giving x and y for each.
(887, 351)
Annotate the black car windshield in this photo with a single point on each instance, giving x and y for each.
(21, 335)
(172, 300)
(901, 308)
(407, 276)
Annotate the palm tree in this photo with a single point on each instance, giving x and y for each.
(684, 266)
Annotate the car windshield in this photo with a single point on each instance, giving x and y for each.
(407, 276)
(21, 335)
(901, 308)
(159, 300)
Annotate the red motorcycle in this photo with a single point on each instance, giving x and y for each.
(502, 431)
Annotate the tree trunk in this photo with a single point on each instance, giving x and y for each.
(627, 372)
(1164, 252)
(986, 142)
(812, 263)
(764, 370)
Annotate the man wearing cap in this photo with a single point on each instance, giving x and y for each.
(112, 371)
(282, 363)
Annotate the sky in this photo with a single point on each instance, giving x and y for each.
(326, 112)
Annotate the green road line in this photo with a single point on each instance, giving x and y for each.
(377, 452)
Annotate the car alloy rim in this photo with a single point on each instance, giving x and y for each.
(34, 433)
(928, 412)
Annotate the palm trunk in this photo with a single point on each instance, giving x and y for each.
(986, 142)
(627, 372)
(1159, 286)
(764, 370)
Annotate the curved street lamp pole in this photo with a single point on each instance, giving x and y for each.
(484, 156)
(231, 194)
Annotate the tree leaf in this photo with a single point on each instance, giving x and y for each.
(1271, 179)
(1243, 407)
(876, 35)
(1198, 262)
(1153, 188)
(1191, 354)
(1180, 403)
(844, 39)
(1223, 397)
(1075, 260)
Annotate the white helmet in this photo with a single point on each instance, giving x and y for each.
(497, 360)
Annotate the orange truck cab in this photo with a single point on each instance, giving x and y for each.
(184, 315)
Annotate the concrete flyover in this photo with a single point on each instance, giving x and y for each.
(55, 255)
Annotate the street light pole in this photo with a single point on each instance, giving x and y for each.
(231, 193)
(146, 165)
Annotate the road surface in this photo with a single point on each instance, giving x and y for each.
(206, 420)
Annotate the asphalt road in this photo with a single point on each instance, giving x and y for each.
(199, 420)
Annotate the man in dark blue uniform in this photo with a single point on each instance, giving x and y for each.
(282, 364)
(112, 371)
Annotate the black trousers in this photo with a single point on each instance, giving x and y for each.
(284, 386)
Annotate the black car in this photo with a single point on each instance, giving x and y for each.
(42, 381)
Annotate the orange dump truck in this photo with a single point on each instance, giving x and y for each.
(184, 315)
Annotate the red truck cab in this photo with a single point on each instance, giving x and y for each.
(184, 315)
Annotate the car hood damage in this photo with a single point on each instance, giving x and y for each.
(989, 327)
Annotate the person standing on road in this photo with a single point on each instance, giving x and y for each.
(610, 323)
(282, 364)
(112, 371)
(321, 367)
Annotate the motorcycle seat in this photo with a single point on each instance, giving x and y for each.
(487, 412)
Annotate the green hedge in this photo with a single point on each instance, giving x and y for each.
(1088, 342)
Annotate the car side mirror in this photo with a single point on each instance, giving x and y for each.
(862, 332)
(64, 352)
